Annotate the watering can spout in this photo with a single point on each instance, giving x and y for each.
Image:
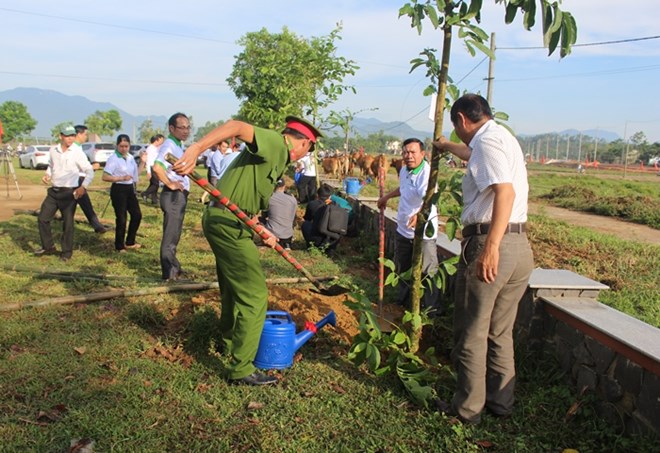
(311, 329)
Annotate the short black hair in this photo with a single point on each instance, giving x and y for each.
(473, 106)
(80, 128)
(176, 116)
(156, 137)
(408, 141)
(324, 192)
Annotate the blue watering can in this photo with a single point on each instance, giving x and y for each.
(279, 340)
(352, 186)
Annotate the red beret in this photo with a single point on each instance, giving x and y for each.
(303, 127)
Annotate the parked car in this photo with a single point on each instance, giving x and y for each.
(136, 150)
(35, 157)
(98, 151)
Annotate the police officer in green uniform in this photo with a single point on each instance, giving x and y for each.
(248, 182)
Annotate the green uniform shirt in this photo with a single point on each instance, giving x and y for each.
(250, 178)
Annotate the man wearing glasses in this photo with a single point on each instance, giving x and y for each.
(249, 183)
(174, 197)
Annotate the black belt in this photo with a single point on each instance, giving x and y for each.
(483, 228)
(60, 189)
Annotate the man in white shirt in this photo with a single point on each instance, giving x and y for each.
(413, 181)
(65, 165)
(84, 201)
(152, 152)
(496, 260)
(307, 184)
(221, 165)
(174, 198)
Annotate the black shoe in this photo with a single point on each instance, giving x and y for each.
(256, 379)
(43, 252)
(64, 258)
(101, 229)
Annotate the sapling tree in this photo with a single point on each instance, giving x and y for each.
(559, 32)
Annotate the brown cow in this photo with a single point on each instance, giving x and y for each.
(365, 165)
(397, 163)
(379, 161)
(355, 159)
(331, 166)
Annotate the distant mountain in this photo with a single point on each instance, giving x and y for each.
(50, 107)
(595, 133)
(367, 126)
(602, 135)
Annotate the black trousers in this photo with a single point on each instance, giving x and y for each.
(57, 199)
(173, 203)
(307, 189)
(85, 204)
(403, 250)
(152, 190)
(124, 201)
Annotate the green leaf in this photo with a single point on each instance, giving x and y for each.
(391, 279)
(557, 21)
(475, 7)
(450, 229)
(511, 10)
(468, 44)
(501, 116)
(399, 338)
(485, 49)
(432, 13)
(530, 14)
(429, 90)
(373, 357)
(430, 230)
(554, 40)
(453, 91)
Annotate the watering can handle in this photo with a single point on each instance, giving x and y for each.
(273, 313)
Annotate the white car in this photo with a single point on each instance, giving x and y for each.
(35, 157)
(98, 152)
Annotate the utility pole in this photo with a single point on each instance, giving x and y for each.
(624, 160)
(580, 148)
(596, 147)
(491, 70)
(568, 145)
(557, 149)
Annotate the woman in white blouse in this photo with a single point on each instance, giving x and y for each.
(122, 171)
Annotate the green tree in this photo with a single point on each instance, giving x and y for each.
(104, 123)
(146, 130)
(284, 74)
(206, 128)
(55, 130)
(16, 120)
(559, 29)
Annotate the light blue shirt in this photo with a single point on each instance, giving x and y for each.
(227, 159)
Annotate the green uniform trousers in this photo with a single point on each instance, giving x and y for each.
(243, 291)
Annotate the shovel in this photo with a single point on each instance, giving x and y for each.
(334, 290)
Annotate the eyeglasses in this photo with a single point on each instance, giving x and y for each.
(183, 128)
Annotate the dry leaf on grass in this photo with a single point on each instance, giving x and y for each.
(81, 446)
(485, 444)
(80, 350)
(253, 406)
(338, 388)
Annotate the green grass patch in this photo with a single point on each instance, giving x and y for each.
(633, 200)
(143, 374)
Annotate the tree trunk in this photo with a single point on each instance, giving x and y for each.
(422, 217)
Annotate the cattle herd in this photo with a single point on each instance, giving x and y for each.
(341, 165)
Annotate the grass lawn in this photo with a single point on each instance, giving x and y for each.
(142, 373)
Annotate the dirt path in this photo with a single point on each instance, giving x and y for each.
(602, 224)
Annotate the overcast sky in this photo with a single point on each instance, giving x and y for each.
(157, 57)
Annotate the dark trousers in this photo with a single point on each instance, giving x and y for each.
(85, 204)
(152, 190)
(173, 203)
(307, 189)
(124, 201)
(403, 258)
(57, 199)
